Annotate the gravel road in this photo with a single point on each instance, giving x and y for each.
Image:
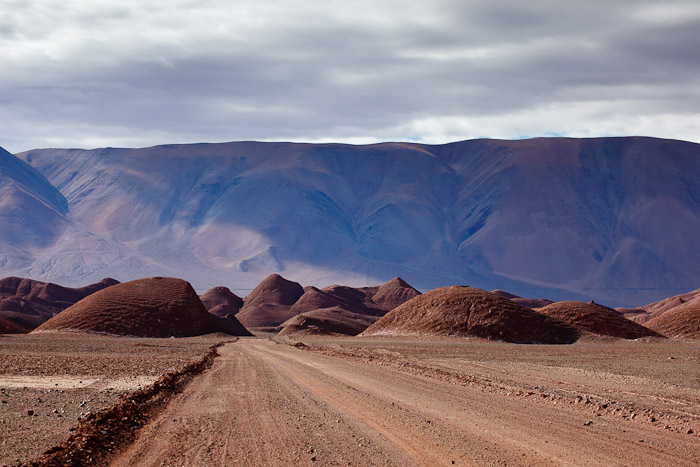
(269, 403)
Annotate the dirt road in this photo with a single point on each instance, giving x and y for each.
(264, 403)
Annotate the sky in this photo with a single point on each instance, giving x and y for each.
(122, 73)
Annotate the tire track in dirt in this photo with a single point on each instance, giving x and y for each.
(264, 403)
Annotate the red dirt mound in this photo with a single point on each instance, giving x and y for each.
(595, 319)
(466, 311)
(329, 321)
(274, 290)
(680, 321)
(336, 296)
(39, 301)
(8, 327)
(268, 305)
(154, 307)
(314, 299)
(394, 293)
(648, 312)
(220, 301)
(356, 299)
(638, 315)
(22, 320)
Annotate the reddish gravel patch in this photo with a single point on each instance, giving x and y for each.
(680, 321)
(596, 319)
(101, 434)
(467, 311)
(155, 307)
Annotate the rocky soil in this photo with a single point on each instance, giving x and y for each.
(49, 383)
(354, 401)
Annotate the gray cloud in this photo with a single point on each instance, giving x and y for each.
(139, 73)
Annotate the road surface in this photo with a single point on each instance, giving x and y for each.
(267, 403)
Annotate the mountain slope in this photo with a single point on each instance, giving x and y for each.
(31, 211)
(613, 219)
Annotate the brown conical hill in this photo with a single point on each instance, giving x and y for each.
(268, 305)
(8, 327)
(394, 293)
(274, 290)
(595, 319)
(220, 301)
(358, 299)
(680, 321)
(466, 311)
(355, 295)
(354, 300)
(330, 321)
(314, 299)
(154, 307)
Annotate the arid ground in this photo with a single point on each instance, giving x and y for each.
(366, 401)
(48, 382)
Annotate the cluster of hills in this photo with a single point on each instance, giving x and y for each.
(609, 219)
(163, 307)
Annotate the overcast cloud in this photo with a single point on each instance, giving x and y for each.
(137, 73)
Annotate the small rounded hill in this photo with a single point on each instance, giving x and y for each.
(8, 327)
(327, 321)
(153, 307)
(467, 311)
(394, 293)
(681, 321)
(220, 301)
(595, 319)
(269, 304)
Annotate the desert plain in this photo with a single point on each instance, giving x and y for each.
(314, 400)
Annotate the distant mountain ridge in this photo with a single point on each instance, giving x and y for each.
(613, 219)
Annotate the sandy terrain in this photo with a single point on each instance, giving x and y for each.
(369, 401)
(62, 378)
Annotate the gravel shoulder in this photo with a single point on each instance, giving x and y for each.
(49, 382)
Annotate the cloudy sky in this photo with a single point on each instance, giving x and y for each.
(84, 73)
